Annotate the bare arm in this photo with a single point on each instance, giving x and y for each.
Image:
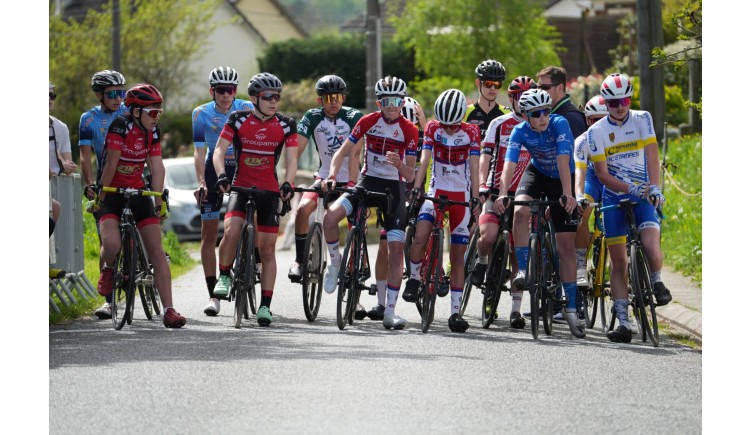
(85, 152)
(199, 157)
(563, 168)
(580, 181)
(484, 168)
(652, 157)
(113, 157)
(422, 171)
(157, 176)
(301, 145)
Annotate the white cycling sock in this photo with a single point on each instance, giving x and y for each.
(456, 296)
(581, 258)
(392, 298)
(517, 299)
(415, 269)
(483, 259)
(333, 251)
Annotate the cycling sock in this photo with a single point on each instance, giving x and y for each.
(224, 270)
(414, 269)
(265, 298)
(333, 251)
(517, 299)
(621, 310)
(656, 276)
(380, 284)
(483, 259)
(522, 254)
(391, 299)
(210, 284)
(299, 244)
(570, 292)
(581, 258)
(456, 296)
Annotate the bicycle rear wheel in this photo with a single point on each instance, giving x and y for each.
(409, 239)
(646, 309)
(312, 272)
(494, 282)
(535, 280)
(243, 275)
(432, 278)
(252, 276)
(124, 287)
(550, 282)
(603, 287)
(348, 278)
(470, 259)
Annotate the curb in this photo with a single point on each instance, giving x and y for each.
(685, 318)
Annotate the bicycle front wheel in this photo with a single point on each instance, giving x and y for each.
(495, 279)
(536, 283)
(312, 272)
(470, 259)
(646, 308)
(251, 272)
(348, 278)
(432, 278)
(602, 286)
(145, 279)
(124, 287)
(550, 282)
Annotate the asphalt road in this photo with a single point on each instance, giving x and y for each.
(296, 376)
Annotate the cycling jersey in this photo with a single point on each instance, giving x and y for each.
(329, 134)
(59, 143)
(208, 122)
(477, 116)
(258, 146)
(93, 128)
(623, 147)
(381, 135)
(498, 133)
(134, 145)
(582, 155)
(544, 147)
(575, 117)
(451, 156)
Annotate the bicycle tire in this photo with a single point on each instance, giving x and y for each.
(239, 295)
(470, 259)
(494, 283)
(535, 287)
(250, 271)
(409, 239)
(144, 276)
(550, 281)
(606, 304)
(432, 278)
(347, 279)
(590, 294)
(312, 272)
(153, 294)
(645, 297)
(124, 287)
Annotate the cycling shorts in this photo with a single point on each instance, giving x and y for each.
(211, 209)
(535, 184)
(593, 188)
(615, 223)
(489, 216)
(141, 206)
(397, 219)
(267, 210)
(459, 216)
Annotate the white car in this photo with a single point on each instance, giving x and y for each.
(184, 215)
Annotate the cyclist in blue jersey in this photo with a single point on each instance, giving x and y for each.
(109, 88)
(208, 120)
(489, 81)
(549, 141)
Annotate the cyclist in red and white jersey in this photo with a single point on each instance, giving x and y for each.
(390, 143)
(490, 174)
(258, 137)
(455, 148)
(133, 142)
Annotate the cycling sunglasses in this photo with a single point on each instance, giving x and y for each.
(154, 113)
(547, 87)
(225, 90)
(52, 96)
(391, 101)
(492, 84)
(539, 113)
(614, 104)
(270, 97)
(333, 98)
(112, 95)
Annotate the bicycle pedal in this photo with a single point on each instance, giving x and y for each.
(373, 290)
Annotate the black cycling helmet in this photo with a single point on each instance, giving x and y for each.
(105, 79)
(490, 69)
(223, 75)
(142, 95)
(263, 82)
(330, 85)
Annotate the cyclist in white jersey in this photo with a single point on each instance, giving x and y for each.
(626, 158)
(208, 121)
(455, 147)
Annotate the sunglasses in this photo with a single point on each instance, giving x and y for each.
(539, 113)
(112, 95)
(614, 104)
(549, 86)
(270, 97)
(333, 98)
(225, 90)
(52, 96)
(154, 113)
(391, 101)
(492, 84)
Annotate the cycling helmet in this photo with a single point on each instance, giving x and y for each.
(142, 95)
(596, 107)
(105, 79)
(223, 75)
(263, 82)
(616, 86)
(410, 110)
(490, 69)
(450, 107)
(534, 99)
(51, 87)
(521, 84)
(390, 86)
(330, 85)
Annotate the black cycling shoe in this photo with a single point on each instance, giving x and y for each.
(411, 292)
(516, 320)
(456, 323)
(662, 294)
(360, 313)
(477, 275)
(444, 288)
(620, 335)
(376, 313)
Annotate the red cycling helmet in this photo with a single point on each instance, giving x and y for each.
(520, 84)
(142, 95)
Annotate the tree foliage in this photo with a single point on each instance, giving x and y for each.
(688, 22)
(159, 39)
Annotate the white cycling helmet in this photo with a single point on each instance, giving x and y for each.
(596, 106)
(616, 86)
(450, 107)
(410, 110)
(223, 75)
(534, 99)
(390, 86)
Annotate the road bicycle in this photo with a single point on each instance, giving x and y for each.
(314, 264)
(640, 290)
(355, 262)
(133, 270)
(497, 275)
(245, 273)
(432, 274)
(597, 296)
(411, 227)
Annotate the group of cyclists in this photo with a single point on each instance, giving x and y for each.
(474, 154)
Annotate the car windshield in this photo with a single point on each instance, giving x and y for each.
(182, 177)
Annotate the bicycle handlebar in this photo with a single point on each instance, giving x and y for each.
(627, 203)
(253, 191)
(444, 201)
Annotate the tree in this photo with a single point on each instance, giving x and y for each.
(159, 39)
(688, 21)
